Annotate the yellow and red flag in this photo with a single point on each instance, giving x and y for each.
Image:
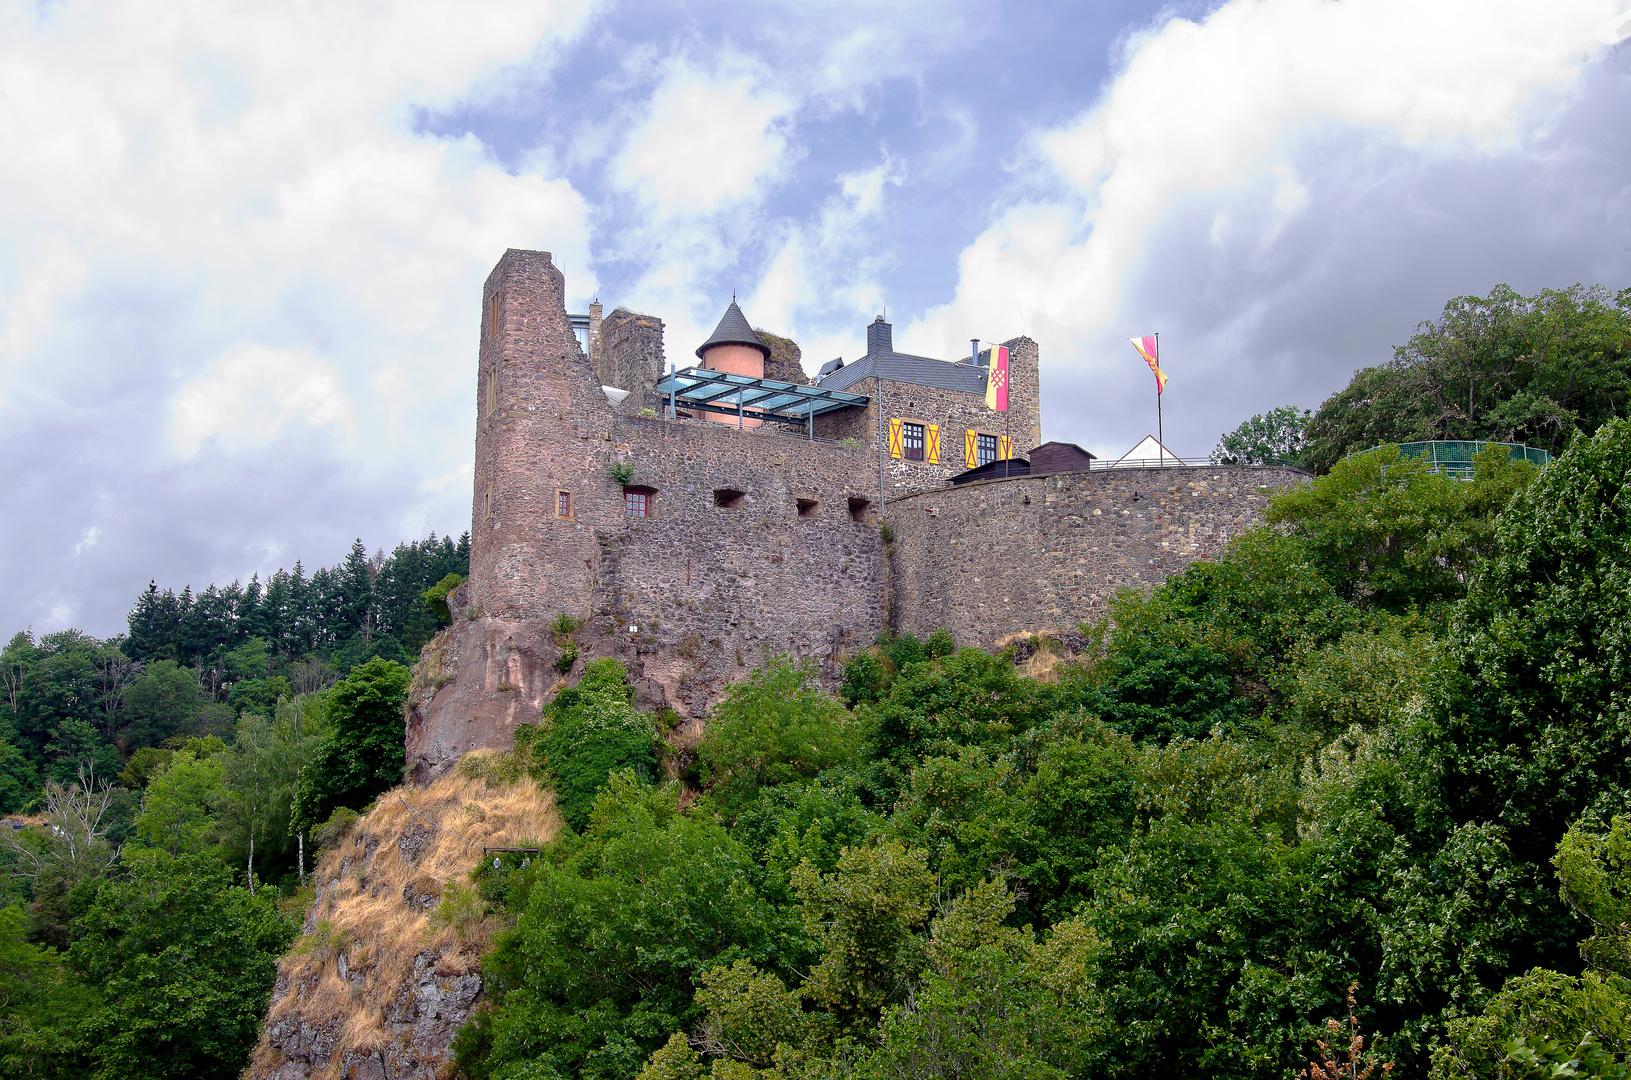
(996, 381)
(1149, 349)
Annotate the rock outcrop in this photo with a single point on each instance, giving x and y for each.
(388, 965)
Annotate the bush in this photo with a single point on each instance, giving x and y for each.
(435, 597)
(588, 732)
(777, 725)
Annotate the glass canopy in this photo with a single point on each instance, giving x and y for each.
(701, 390)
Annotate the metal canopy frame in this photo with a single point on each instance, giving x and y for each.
(742, 396)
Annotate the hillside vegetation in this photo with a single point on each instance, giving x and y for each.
(1353, 794)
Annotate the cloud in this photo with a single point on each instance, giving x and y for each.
(223, 232)
(250, 392)
(710, 138)
(1215, 120)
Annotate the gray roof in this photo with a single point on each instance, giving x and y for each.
(733, 329)
(906, 368)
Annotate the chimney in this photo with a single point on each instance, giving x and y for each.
(879, 337)
(594, 331)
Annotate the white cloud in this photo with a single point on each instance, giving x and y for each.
(87, 539)
(240, 154)
(1210, 107)
(709, 138)
(250, 392)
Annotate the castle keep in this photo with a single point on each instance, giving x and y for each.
(691, 519)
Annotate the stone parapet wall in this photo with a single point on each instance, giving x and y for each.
(1046, 553)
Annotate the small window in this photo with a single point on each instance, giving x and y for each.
(913, 436)
(563, 504)
(807, 507)
(859, 509)
(728, 498)
(637, 502)
(986, 448)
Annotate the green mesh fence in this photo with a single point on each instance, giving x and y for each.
(1453, 457)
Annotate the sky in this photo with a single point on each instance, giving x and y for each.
(242, 245)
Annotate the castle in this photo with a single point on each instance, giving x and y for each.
(693, 520)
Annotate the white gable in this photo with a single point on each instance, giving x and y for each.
(1147, 450)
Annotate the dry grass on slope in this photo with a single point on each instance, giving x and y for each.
(395, 930)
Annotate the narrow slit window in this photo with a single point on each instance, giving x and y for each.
(912, 435)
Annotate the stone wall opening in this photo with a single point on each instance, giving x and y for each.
(860, 510)
(728, 498)
(807, 507)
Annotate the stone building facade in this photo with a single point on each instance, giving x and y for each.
(692, 549)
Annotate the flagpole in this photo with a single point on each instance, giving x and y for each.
(1160, 429)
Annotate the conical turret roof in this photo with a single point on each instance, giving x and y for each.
(733, 329)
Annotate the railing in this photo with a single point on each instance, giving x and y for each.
(1168, 462)
(1454, 457)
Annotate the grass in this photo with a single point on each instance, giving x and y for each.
(361, 938)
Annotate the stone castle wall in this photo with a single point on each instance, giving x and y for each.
(1045, 553)
(631, 357)
(757, 542)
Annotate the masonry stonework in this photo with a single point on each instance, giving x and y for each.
(1045, 553)
(692, 550)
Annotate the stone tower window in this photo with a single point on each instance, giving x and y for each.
(859, 509)
(912, 436)
(807, 507)
(563, 505)
(728, 498)
(638, 501)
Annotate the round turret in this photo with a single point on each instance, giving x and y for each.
(734, 347)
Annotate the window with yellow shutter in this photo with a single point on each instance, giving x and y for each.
(931, 445)
(895, 438)
(970, 442)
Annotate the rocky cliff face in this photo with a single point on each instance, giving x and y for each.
(387, 967)
(475, 681)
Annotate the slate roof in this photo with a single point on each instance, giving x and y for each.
(906, 368)
(733, 329)
(1000, 469)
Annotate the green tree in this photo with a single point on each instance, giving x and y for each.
(1272, 438)
(261, 773)
(165, 700)
(42, 1007)
(1390, 533)
(1506, 367)
(185, 961)
(587, 733)
(777, 725)
(613, 930)
(363, 754)
(182, 804)
(1538, 735)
